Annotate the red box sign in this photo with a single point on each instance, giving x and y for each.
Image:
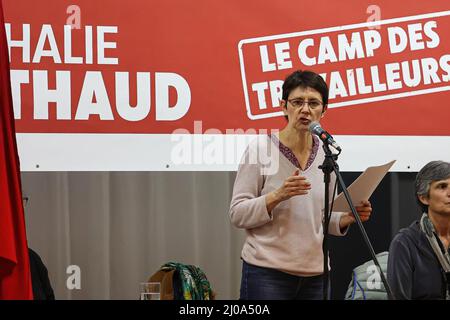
(362, 63)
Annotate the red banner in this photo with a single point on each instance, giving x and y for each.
(158, 66)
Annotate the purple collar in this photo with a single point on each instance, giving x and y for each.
(291, 156)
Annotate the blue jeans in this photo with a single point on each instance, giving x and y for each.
(259, 283)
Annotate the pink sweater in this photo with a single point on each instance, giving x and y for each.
(290, 237)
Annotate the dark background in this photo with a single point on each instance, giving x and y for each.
(394, 207)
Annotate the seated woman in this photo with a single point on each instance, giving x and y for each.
(419, 261)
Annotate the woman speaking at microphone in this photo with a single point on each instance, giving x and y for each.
(279, 200)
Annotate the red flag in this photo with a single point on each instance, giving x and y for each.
(15, 277)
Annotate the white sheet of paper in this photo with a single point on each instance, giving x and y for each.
(363, 187)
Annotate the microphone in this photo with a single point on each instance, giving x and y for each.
(316, 129)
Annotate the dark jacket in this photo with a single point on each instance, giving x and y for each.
(42, 289)
(414, 271)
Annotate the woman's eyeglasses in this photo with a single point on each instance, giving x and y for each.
(298, 103)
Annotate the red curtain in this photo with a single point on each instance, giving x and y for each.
(15, 277)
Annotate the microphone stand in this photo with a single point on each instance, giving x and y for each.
(329, 165)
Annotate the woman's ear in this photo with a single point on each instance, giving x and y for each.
(324, 110)
(283, 106)
(424, 200)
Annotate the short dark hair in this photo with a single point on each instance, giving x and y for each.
(432, 171)
(305, 79)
